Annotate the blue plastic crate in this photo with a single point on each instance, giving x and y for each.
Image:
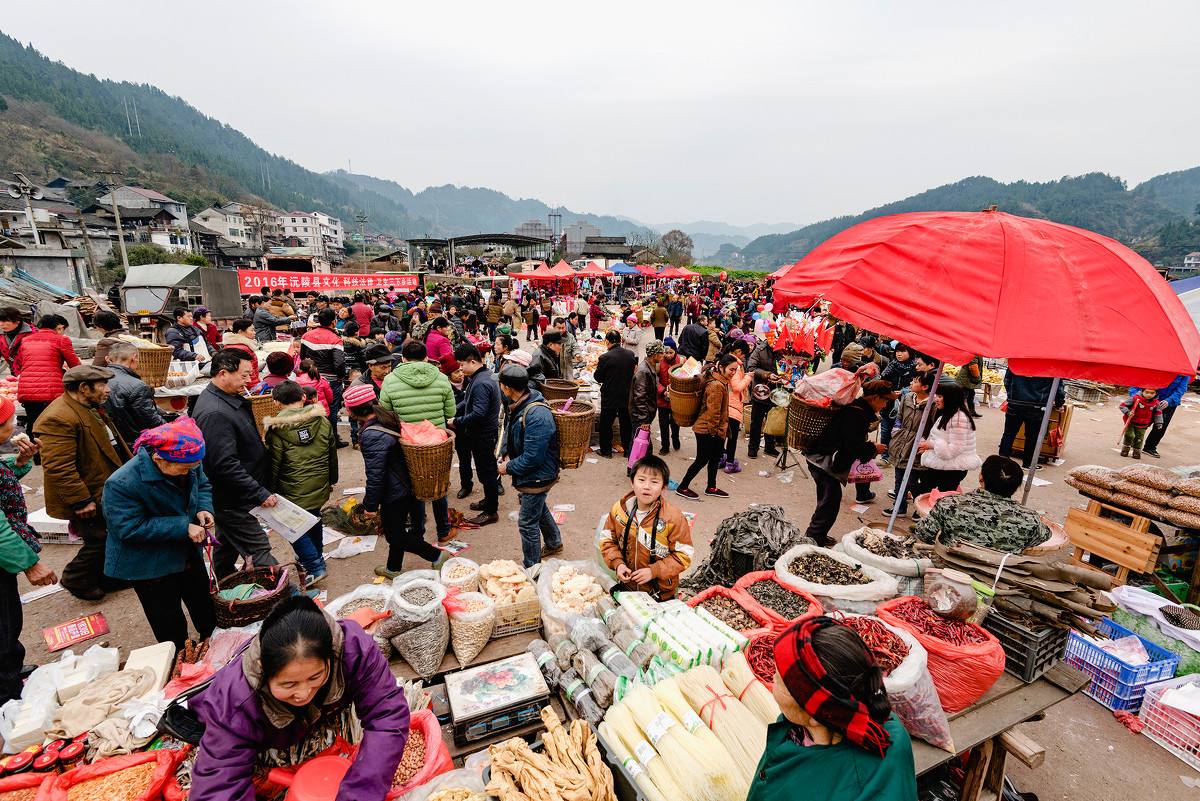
(1114, 683)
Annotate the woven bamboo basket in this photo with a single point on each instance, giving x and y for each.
(263, 407)
(806, 422)
(574, 431)
(556, 389)
(429, 468)
(243, 613)
(685, 400)
(153, 364)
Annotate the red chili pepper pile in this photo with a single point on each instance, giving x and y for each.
(760, 654)
(918, 613)
(887, 649)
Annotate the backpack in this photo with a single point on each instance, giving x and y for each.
(554, 440)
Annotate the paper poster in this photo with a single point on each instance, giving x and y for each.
(285, 518)
(64, 635)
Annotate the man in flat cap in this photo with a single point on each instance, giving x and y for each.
(81, 448)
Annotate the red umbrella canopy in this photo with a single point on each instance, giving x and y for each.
(593, 270)
(562, 270)
(539, 273)
(1055, 300)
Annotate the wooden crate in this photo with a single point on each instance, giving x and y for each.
(1059, 418)
(517, 618)
(1130, 545)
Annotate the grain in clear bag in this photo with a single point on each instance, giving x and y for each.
(472, 618)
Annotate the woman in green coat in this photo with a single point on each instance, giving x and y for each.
(837, 738)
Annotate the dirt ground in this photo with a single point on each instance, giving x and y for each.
(1081, 737)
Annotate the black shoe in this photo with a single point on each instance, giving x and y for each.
(892, 494)
(771, 451)
(976, 415)
(752, 455)
(1150, 452)
(665, 451)
(606, 455)
(890, 509)
(499, 489)
(716, 492)
(675, 444)
(551, 551)
(868, 499)
(341, 443)
(94, 594)
(684, 492)
(476, 507)
(484, 519)
(465, 492)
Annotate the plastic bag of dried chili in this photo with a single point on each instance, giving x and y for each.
(962, 673)
(162, 773)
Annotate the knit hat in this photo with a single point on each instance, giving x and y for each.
(853, 350)
(180, 441)
(377, 354)
(357, 395)
(7, 409)
(669, 342)
(519, 357)
(653, 347)
(200, 311)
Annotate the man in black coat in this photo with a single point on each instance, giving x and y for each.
(614, 374)
(236, 463)
(130, 401)
(694, 339)
(476, 425)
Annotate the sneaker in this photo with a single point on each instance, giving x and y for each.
(1151, 452)
(884, 463)
(1137, 454)
(684, 492)
(716, 492)
(721, 462)
(314, 579)
(892, 494)
(383, 572)
(869, 499)
(1124, 452)
(551, 550)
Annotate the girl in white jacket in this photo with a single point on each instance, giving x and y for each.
(949, 452)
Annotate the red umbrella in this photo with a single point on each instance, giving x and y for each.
(1055, 300)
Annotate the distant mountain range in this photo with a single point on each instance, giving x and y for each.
(1154, 218)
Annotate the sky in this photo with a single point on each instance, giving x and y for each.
(750, 112)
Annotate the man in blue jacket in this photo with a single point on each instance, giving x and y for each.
(531, 446)
(1027, 399)
(476, 425)
(1172, 395)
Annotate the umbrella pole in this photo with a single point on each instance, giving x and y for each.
(1037, 451)
(912, 455)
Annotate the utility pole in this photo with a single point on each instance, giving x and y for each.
(111, 186)
(137, 121)
(362, 233)
(24, 188)
(128, 122)
(91, 256)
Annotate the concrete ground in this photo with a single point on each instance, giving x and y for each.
(1090, 755)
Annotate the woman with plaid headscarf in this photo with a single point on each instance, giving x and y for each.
(837, 738)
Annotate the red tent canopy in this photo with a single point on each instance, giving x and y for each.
(540, 273)
(562, 270)
(1055, 300)
(677, 272)
(647, 270)
(781, 272)
(593, 270)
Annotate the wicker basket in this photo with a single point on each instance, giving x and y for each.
(556, 389)
(153, 365)
(574, 431)
(806, 422)
(517, 618)
(1085, 392)
(685, 400)
(429, 468)
(243, 613)
(263, 407)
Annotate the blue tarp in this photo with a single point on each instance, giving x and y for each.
(621, 268)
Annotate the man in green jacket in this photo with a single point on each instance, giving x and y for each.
(417, 390)
(303, 467)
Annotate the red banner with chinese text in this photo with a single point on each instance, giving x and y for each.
(251, 281)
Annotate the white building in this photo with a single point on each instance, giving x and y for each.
(534, 228)
(333, 236)
(577, 234)
(139, 197)
(1191, 262)
(323, 235)
(227, 222)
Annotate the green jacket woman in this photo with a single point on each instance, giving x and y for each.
(837, 738)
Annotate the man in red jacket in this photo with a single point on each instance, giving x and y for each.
(39, 362)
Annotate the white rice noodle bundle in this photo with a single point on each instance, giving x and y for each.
(741, 731)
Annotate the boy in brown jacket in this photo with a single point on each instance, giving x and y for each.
(649, 540)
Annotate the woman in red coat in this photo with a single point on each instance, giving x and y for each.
(39, 364)
(202, 317)
(668, 429)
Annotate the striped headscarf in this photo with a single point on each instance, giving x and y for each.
(821, 695)
(180, 441)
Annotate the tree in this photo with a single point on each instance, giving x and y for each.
(677, 247)
(113, 272)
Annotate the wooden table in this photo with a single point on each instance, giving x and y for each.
(985, 723)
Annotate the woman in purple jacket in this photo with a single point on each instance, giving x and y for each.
(302, 682)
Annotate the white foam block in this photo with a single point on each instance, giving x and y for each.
(160, 657)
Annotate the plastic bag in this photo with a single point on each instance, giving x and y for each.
(860, 598)
(425, 626)
(764, 619)
(774, 620)
(579, 694)
(864, 473)
(917, 566)
(950, 594)
(912, 695)
(597, 676)
(370, 596)
(23, 781)
(465, 778)
(836, 386)
(422, 433)
(564, 648)
(961, 673)
(551, 612)
(461, 573)
(353, 546)
(224, 645)
(164, 770)
(639, 448)
(587, 632)
(601, 536)
(776, 422)
(437, 754)
(182, 374)
(541, 651)
(615, 660)
(470, 628)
